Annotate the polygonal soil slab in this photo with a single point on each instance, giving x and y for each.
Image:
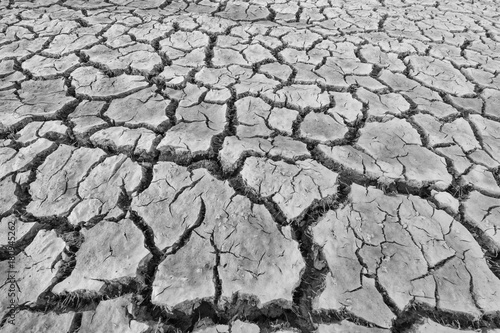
(52, 129)
(254, 258)
(143, 108)
(348, 327)
(428, 325)
(67, 43)
(483, 212)
(21, 48)
(93, 83)
(252, 113)
(33, 322)
(13, 161)
(488, 130)
(322, 127)
(45, 67)
(415, 250)
(293, 187)
(33, 269)
(136, 141)
(7, 194)
(439, 74)
(239, 326)
(35, 98)
(86, 118)
(456, 132)
(114, 315)
(139, 57)
(111, 250)
(383, 105)
(54, 192)
(299, 97)
(235, 149)
(395, 147)
(101, 190)
(242, 11)
(192, 135)
(233, 229)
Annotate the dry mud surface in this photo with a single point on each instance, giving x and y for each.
(256, 166)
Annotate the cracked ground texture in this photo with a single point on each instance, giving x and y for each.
(250, 166)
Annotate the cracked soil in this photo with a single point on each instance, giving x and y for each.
(250, 166)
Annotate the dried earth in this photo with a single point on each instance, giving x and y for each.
(250, 166)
